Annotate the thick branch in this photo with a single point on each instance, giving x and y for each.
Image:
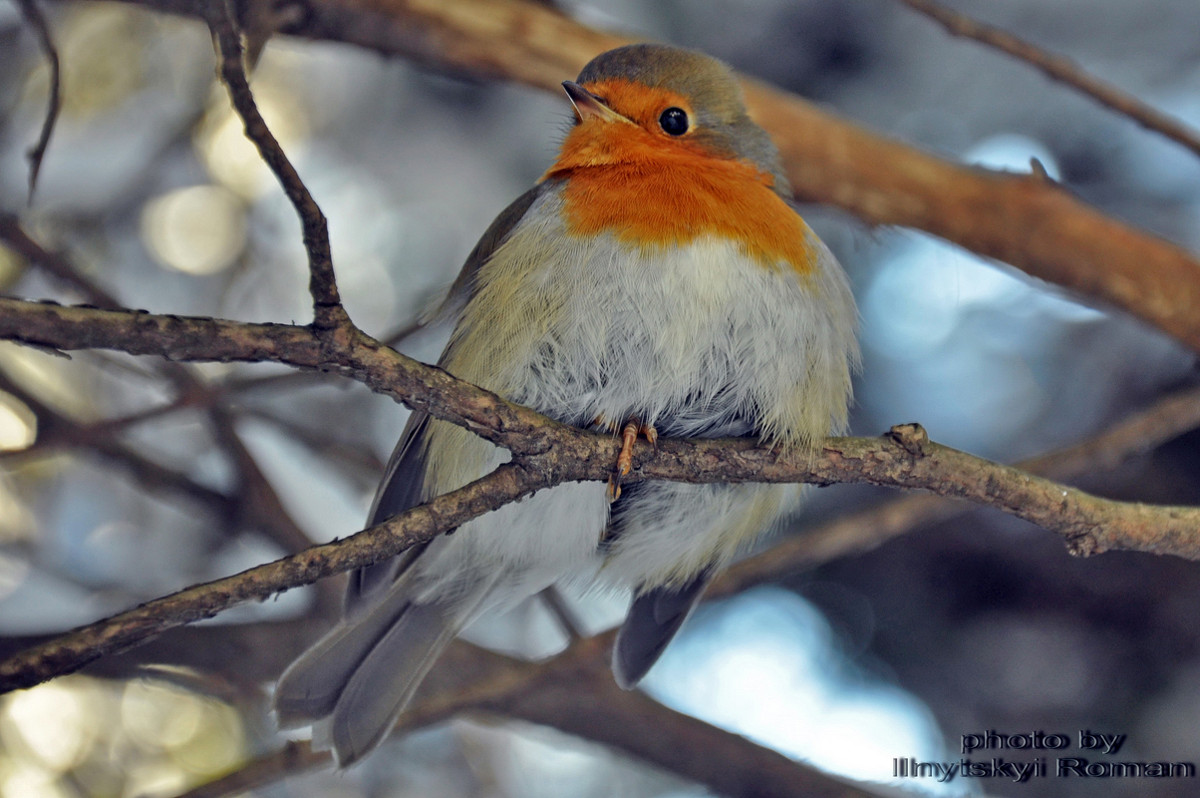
(630, 721)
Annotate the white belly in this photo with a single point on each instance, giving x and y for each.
(696, 340)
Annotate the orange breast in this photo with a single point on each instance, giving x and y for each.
(654, 195)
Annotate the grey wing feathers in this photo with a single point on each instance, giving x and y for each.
(375, 695)
(653, 619)
(403, 483)
(401, 489)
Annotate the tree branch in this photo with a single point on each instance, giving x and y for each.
(327, 304)
(75, 649)
(548, 693)
(53, 263)
(630, 721)
(545, 453)
(862, 531)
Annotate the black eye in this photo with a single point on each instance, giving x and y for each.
(674, 121)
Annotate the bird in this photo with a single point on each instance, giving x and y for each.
(655, 281)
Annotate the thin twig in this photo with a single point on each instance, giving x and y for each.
(327, 304)
(33, 15)
(73, 650)
(1061, 69)
(264, 771)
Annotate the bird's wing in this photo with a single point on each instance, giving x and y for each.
(402, 487)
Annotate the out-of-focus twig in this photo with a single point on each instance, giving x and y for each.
(54, 263)
(328, 446)
(568, 622)
(33, 15)
(56, 431)
(295, 757)
(1060, 69)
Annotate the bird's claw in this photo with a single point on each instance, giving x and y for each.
(629, 434)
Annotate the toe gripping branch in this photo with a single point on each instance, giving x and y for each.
(629, 435)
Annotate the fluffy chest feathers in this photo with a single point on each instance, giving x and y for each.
(706, 336)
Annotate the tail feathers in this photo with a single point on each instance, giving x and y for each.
(386, 680)
(354, 682)
(654, 618)
(310, 687)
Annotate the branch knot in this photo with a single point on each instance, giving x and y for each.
(910, 437)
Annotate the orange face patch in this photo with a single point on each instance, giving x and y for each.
(650, 189)
(637, 103)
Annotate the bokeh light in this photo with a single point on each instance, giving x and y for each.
(198, 230)
(18, 424)
(765, 665)
(144, 738)
(50, 723)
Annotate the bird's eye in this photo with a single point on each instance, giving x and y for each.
(674, 121)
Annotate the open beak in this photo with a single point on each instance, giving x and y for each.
(589, 106)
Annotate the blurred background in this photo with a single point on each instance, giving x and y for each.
(117, 475)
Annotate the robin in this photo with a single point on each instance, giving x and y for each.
(655, 281)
